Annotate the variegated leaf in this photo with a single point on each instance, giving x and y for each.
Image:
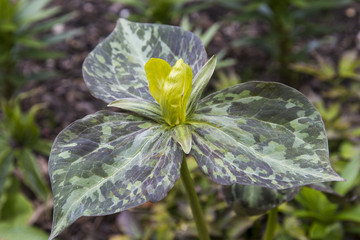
(143, 108)
(108, 162)
(115, 68)
(260, 133)
(254, 200)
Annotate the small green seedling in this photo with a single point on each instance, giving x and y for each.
(256, 133)
(20, 139)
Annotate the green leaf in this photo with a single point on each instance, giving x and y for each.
(200, 81)
(10, 232)
(182, 135)
(31, 173)
(42, 146)
(326, 189)
(40, 54)
(254, 200)
(317, 231)
(316, 205)
(264, 134)
(348, 65)
(350, 173)
(332, 231)
(56, 38)
(208, 36)
(28, 41)
(109, 162)
(17, 210)
(115, 68)
(6, 159)
(352, 214)
(33, 11)
(144, 108)
(50, 23)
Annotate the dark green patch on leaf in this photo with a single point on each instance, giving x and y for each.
(259, 133)
(109, 162)
(115, 69)
(254, 200)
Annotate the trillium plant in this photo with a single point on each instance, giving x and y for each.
(256, 133)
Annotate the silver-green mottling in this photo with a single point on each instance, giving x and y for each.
(259, 133)
(115, 68)
(108, 162)
(247, 200)
(144, 108)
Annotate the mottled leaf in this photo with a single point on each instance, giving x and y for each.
(264, 134)
(144, 108)
(254, 200)
(200, 81)
(109, 162)
(115, 69)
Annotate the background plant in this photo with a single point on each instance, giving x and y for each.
(20, 141)
(24, 34)
(16, 211)
(285, 23)
(156, 11)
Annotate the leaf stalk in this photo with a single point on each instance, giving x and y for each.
(271, 224)
(194, 201)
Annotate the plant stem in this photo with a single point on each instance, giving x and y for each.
(271, 224)
(194, 201)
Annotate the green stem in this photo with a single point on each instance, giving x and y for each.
(271, 224)
(194, 201)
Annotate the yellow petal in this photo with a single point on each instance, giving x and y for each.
(170, 87)
(175, 93)
(157, 70)
(187, 87)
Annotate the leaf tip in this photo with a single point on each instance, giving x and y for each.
(182, 135)
(186, 149)
(53, 234)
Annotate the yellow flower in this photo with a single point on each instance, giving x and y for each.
(170, 87)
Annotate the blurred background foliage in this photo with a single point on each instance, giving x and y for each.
(24, 34)
(312, 45)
